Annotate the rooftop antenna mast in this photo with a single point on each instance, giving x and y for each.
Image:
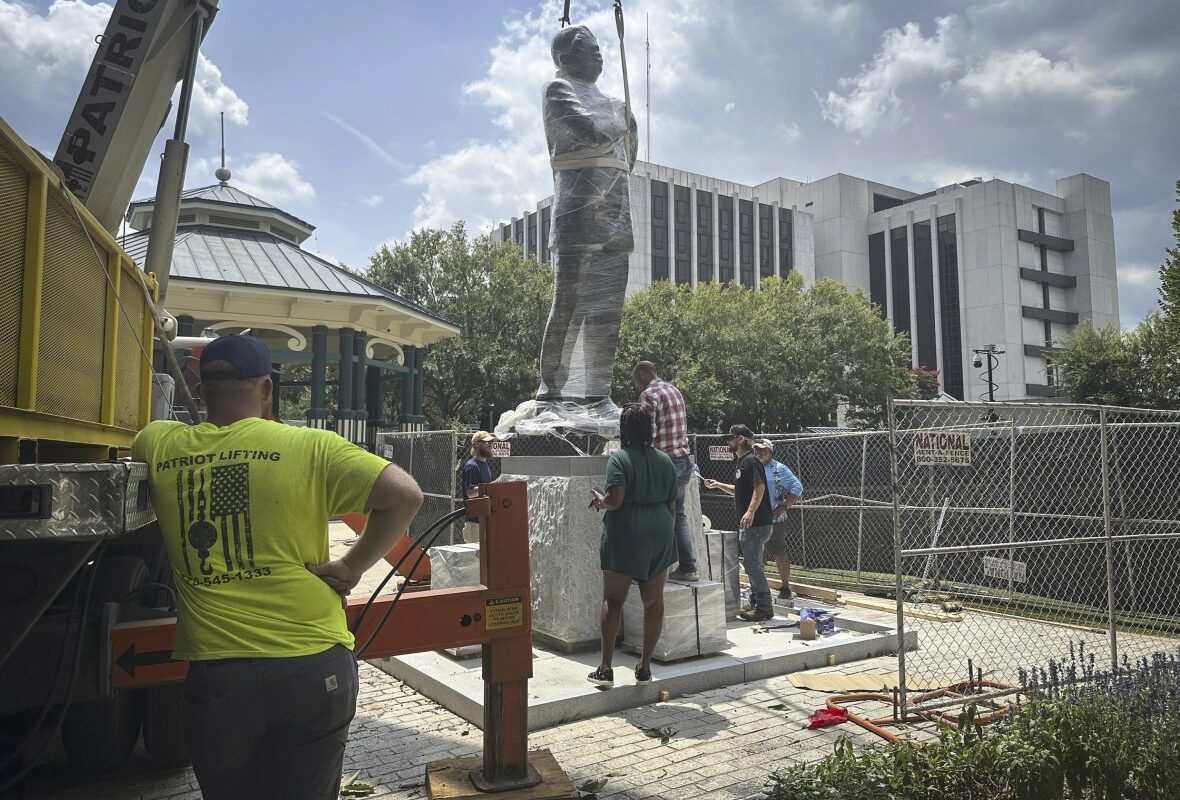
(647, 18)
(223, 174)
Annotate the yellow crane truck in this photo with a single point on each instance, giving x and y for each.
(78, 318)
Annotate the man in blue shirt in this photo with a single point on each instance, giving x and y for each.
(475, 472)
(785, 489)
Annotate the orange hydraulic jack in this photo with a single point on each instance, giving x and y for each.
(496, 614)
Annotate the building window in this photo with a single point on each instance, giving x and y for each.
(546, 225)
(899, 254)
(924, 297)
(948, 284)
(506, 233)
(682, 222)
(746, 241)
(878, 283)
(884, 201)
(518, 231)
(765, 240)
(724, 238)
(704, 237)
(659, 231)
(532, 245)
(786, 243)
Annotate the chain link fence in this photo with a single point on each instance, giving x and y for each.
(1051, 525)
(1055, 528)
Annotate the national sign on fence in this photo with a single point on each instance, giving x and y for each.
(948, 449)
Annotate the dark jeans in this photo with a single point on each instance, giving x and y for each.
(688, 562)
(752, 543)
(270, 727)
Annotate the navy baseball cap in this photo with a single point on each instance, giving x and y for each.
(250, 358)
(741, 430)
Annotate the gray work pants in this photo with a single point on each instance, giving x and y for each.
(270, 727)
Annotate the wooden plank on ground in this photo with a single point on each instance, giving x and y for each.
(873, 604)
(804, 590)
(451, 780)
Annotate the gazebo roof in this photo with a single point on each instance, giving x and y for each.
(258, 259)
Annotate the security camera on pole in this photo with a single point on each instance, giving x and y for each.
(991, 352)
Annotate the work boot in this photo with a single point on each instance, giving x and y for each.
(603, 676)
(684, 575)
(756, 615)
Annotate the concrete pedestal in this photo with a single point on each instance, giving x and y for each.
(694, 621)
(564, 536)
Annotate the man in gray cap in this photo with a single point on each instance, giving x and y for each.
(592, 147)
(755, 525)
(243, 505)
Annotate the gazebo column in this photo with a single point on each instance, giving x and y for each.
(360, 415)
(407, 416)
(375, 400)
(317, 415)
(419, 380)
(344, 410)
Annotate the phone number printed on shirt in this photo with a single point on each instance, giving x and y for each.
(227, 577)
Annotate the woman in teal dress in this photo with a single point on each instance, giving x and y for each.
(638, 537)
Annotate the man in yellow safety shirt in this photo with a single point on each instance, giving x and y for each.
(243, 505)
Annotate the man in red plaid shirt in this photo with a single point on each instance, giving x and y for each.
(670, 434)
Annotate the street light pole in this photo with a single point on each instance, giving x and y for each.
(991, 352)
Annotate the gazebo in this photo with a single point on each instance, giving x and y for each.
(237, 264)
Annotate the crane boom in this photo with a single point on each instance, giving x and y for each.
(125, 100)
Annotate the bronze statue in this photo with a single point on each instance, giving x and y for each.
(592, 148)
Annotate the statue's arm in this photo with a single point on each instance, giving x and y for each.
(632, 140)
(561, 103)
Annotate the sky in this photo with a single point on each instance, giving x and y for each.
(370, 118)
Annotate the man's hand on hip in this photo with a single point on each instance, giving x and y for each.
(338, 574)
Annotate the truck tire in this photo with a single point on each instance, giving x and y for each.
(163, 725)
(100, 734)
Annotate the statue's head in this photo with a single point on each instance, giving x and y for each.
(576, 52)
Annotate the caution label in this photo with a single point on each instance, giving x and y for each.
(503, 612)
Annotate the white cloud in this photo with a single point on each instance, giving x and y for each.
(487, 181)
(730, 107)
(905, 56)
(211, 97)
(44, 58)
(1140, 276)
(373, 200)
(792, 132)
(273, 178)
(935, 173)
(1016, 74)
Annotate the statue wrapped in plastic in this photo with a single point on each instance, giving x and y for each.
(592, 147)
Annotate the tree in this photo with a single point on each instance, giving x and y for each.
(775, 359)
(1100, 365)
(1139, 367)
(499, 299)
(925, 383)
(1170, 278)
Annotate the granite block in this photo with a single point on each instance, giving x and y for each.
(694, 621)
(722, 566)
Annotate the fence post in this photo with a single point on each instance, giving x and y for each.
(860, 517)
(1011, 501)
(897, 566)
(802, 515)
(1114, 647)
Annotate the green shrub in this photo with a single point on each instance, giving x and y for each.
(1085, 734)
